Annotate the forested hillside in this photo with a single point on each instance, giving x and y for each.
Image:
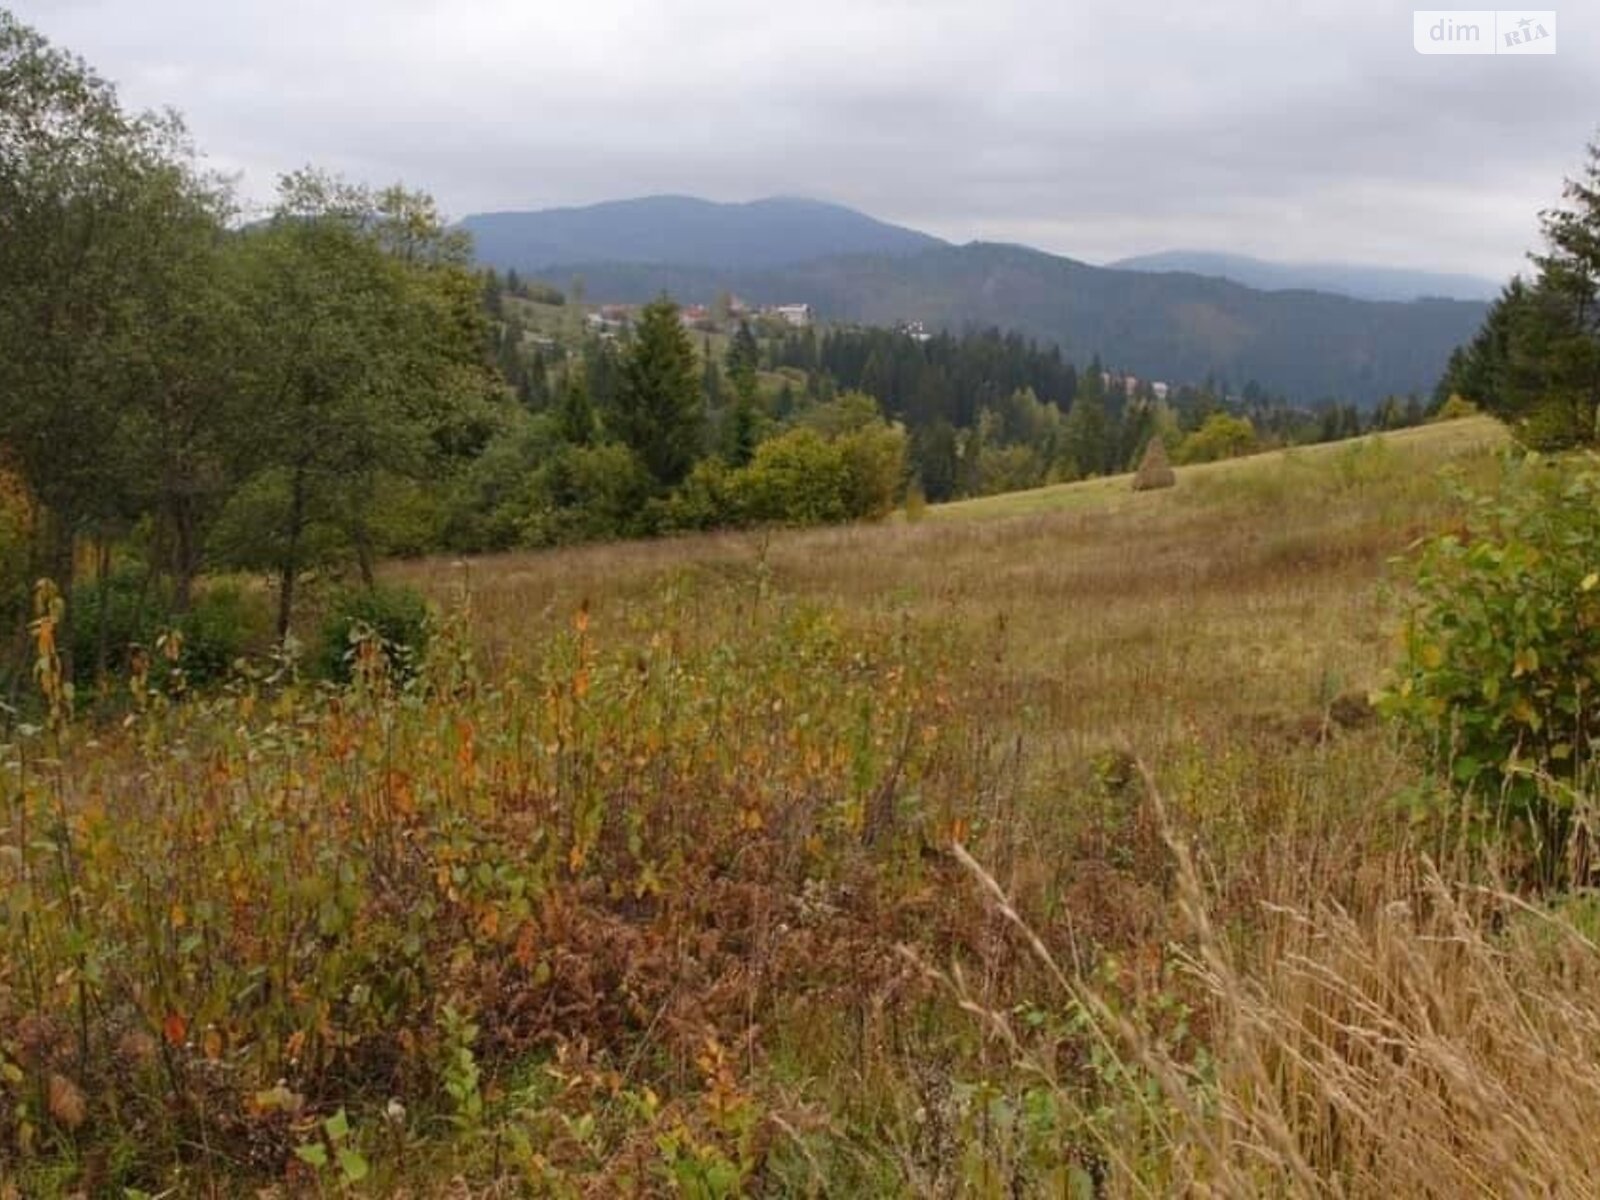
(299, 396)
(1307, 345)
(746, 825)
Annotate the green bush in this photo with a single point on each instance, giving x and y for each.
(133, 609)
(875, 460)
(399, 615)
(703, 500)
(225, 622)
(797, 478)
(587, 494)
(1502, 653)
(1456, 408)
(1222, 436)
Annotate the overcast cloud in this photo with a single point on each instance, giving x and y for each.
(1301, 129)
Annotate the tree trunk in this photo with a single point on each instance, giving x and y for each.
(290, 567)
(102, 633)
(359, 502)
(63, 571)
(364, 562)
(185, 564)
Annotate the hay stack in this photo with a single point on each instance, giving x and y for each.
(1154, 471)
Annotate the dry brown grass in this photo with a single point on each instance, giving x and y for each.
(1425, 1039)
(1419, 1037)
(1155, 469)
(1372, 1023)
(1253, 587)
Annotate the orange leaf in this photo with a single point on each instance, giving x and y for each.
(175, 1028)
(525, 946)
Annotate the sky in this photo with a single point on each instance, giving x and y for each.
(1291, 129)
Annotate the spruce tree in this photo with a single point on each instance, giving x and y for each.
(1085, 435)
(575, 409)
(658, 411)
(741, 431)
(1535, 363)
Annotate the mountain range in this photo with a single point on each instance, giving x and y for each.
(1357, 280)
(1175, 325)
(684, 231)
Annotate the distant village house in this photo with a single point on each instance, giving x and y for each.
(798, 315)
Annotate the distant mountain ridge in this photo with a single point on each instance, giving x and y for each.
(1359, 281)
(1179, 327)
(684, 231)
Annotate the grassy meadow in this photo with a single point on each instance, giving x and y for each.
(1043, 846)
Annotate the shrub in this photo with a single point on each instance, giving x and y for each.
(1008, 469)
(1456, 408)
(1502, 652)
(796, 479)
(588, 493)
(1220, 437)
(133, 610)
(224, 624)
(398, 615)
(702, 501)
(875, 460)
(16, 530)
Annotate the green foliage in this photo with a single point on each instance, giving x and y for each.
(874, 452)
(266, 522)
(875, 465)
(1222, 436)
(397, 615)
(1009, 469)
(132, 611)
(798, 478)
(704, 500)
(227, 621)
(460, 1072)
(16, 533)
(332, 1155)
(659, 411)
(492, 499)
(1455, 408)
(1535, 363)
(575, 409)
(124, 609)
(742, 360)
(315, 906)
(1086, 443)
(585, 494)
(364, 341)
(1502, 652)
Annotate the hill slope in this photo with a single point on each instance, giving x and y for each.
(1360, 281)
(1180, 327)
(683, 231)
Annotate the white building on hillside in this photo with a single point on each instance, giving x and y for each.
(798, 315)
